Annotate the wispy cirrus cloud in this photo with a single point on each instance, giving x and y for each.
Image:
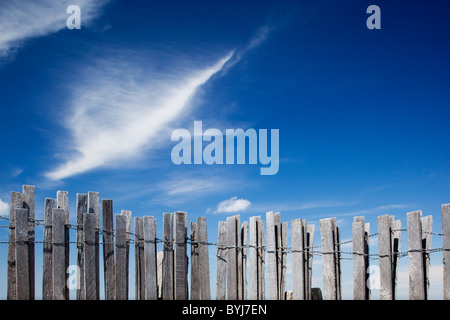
(119, 108)
(26, 19)
(4, 208)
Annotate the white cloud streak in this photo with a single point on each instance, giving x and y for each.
(232, 205)
(119, 111)
(4, 208)
(26, 19)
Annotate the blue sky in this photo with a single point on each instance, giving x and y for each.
(362, 114)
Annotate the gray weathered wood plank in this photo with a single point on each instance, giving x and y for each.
(81, 207)
(121, 262)
(310, 229)
(94, 207)
(127, 214)
(139, 285)
(22, 255)
(62, 198)
(108, 248)
(262, 260)
(416, 266)
(168, 267)
(427, 228)
(151, 286)
(271, 255)
(59, 254)
(385, 257)
(446, 250)
(232, 287)
(29, 203)
(359, 259)
(47, 269)
(221, 278)
(244, 232)
(283, 256)
(327, 228)
(89, 259)
(180, 256)
(298, 263)
(16, 202)
(203, 263)
(195, 275)
(253, 243)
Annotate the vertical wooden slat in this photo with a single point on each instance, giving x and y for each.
(203, 262)
(62, 198)
(277, 224)
(180, 256)
(89, 259)
(120, 258)
(385, 257)
(22, 255)
(244, 241)
(59, 254)
(195, 275)
(427, 227)
(232, 288)
(29, 204)
(127, 214)
(151, 288)
(327, 228)
(359, 259)
(94, 207)
(271, 255)
(16, 202)
(139, 262)
(262, 260)
(396, 234)
(337, 259)
(416, 267)
(108, 248)
(310, 229)
(367, 260)
(167, 277)
(283, 257)
(253, 243)
(298, 263)
(81, 207)
(239, 257)
(47, 269)
(221, 278)
(446, 250)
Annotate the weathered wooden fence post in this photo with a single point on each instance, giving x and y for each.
(127, 214)
(427, 228)
(108, 249)
(385, 257)
(221, 278)
(360, 259)
(298, 260)
(121, 262)
(180, 256)
(139, 258)
(254, 270)
(81, 207)
(331, 263)
(417, 255)
(151, 288)
(62, 198)
(201, 266)
(22, 255)
(232, 281)
(446, 250)
(168, 267)
(94, 207)
(244, 245)
(47, 269)
(16, 202)
(59, 254)
(29, 204)
(89, 259)
(272, 255)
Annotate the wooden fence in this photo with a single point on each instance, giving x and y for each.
(243, 251)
